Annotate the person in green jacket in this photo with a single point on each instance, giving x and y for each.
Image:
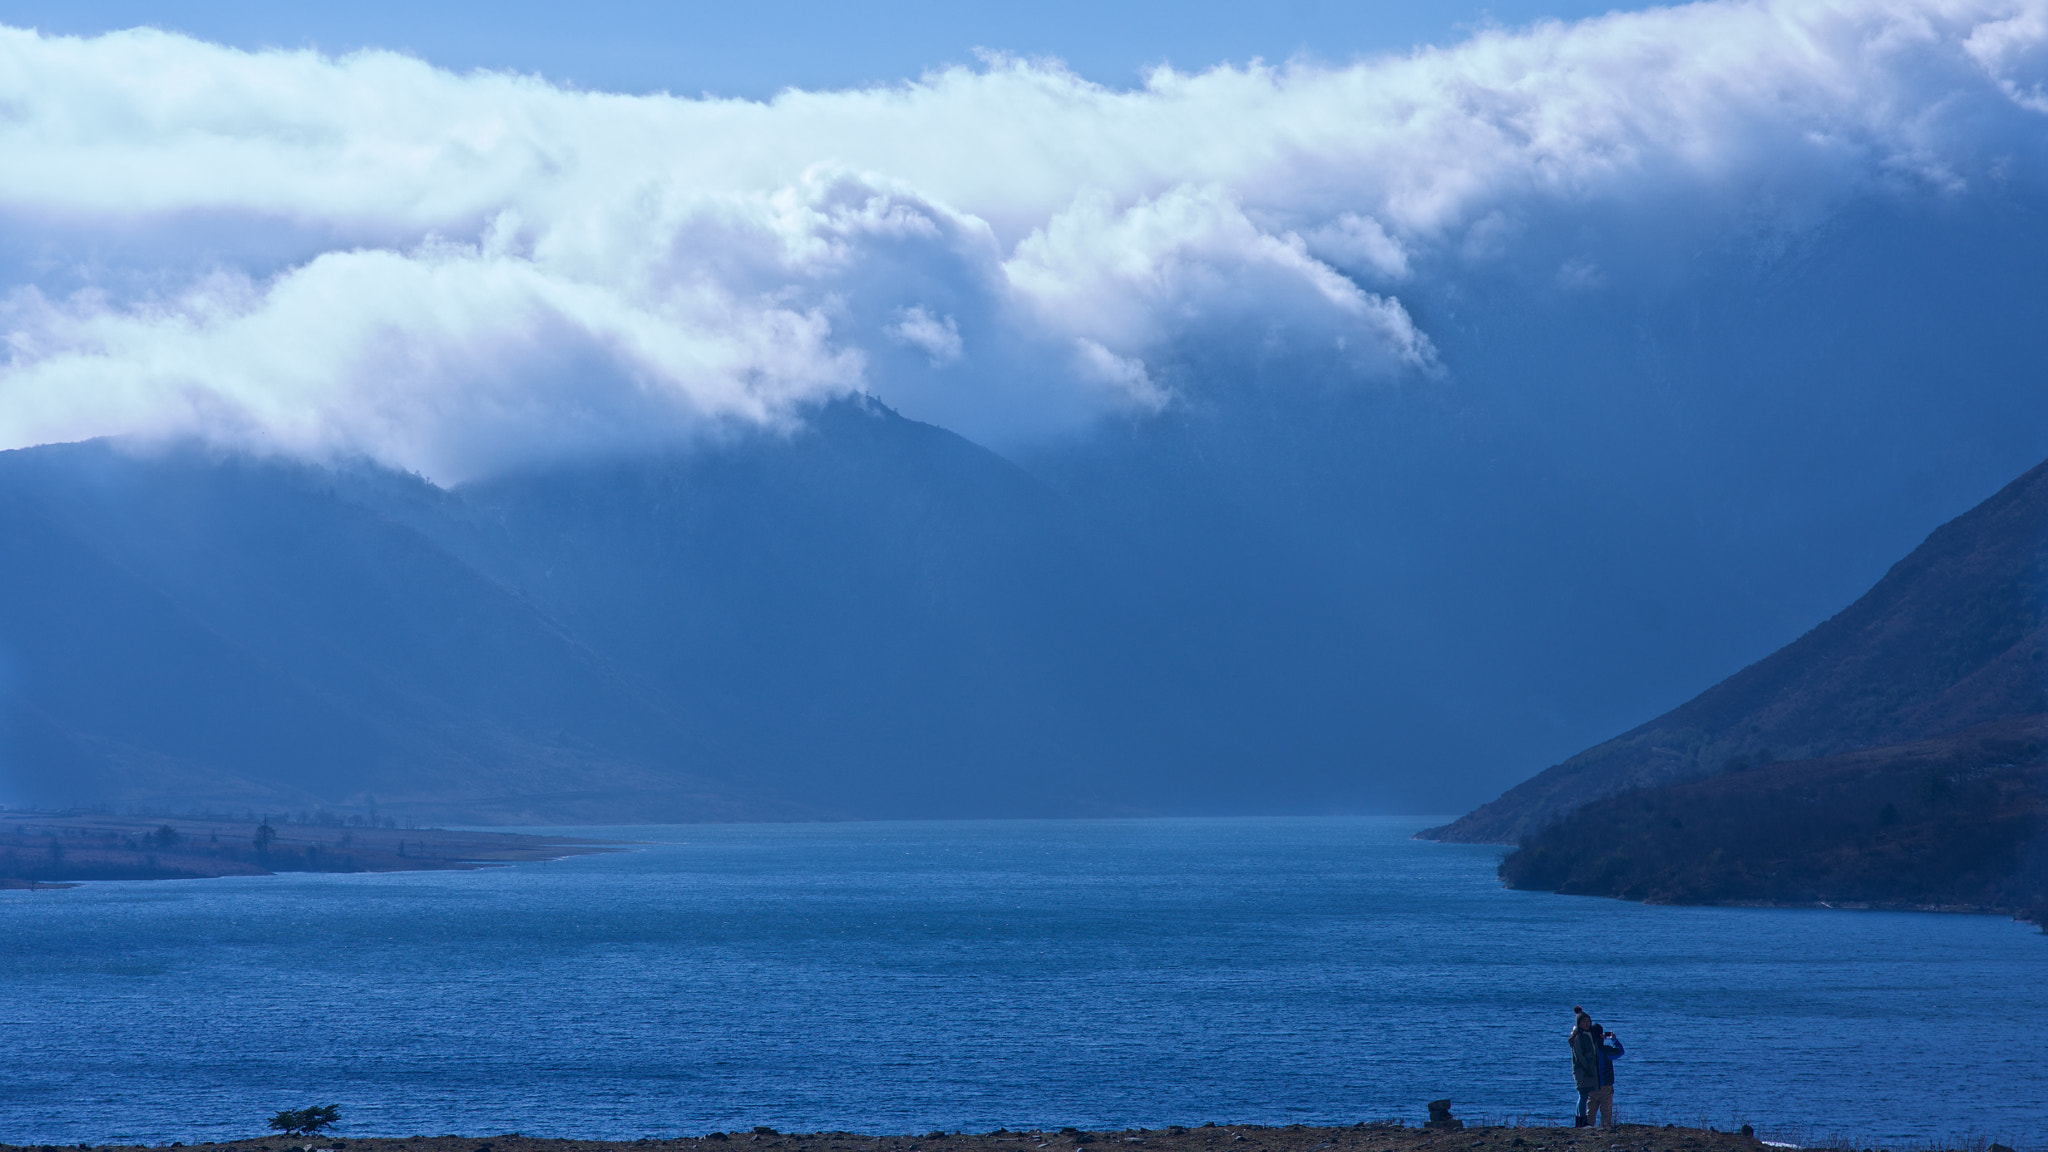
(1585, 1065)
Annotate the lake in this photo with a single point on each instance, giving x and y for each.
(899, 977)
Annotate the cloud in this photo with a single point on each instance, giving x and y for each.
(2013, 51)
(938, 336)
(1359, 244)
(1120, 375)
(446, 359)
(456, 273)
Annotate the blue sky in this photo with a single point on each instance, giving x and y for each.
(755, 49)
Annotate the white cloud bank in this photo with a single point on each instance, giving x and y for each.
(456, 273)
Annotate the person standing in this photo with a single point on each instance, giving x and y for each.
(1606, 1048)
(1585, 1066)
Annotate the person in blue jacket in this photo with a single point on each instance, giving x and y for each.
(1607, 1046)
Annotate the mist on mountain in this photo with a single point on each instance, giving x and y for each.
(1268, 598)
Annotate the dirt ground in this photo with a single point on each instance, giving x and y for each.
(1226, 1138)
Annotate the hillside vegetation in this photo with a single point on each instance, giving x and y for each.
(1954, 823)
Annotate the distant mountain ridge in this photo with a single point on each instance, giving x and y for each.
(187, 628)
(199, 631)
(861, 617)
(871, 614)
(1951, 638)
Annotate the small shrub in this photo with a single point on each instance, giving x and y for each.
(306, 1121)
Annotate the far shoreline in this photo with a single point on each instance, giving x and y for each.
(49, 850)
(118, 847)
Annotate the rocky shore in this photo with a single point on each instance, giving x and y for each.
(1390, 1136)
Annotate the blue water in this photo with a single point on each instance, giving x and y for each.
(901, 977)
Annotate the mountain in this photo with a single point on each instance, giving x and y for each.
(855, 616)
(1951, 638)
(189, 629)
(1952, 823)
(873, 614)
(860, 616)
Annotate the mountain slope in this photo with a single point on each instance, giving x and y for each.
(1950, 638)
(876, 614)
(864, 616)
(183, 627)
(1950, 823)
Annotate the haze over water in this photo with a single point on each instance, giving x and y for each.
(893, 978)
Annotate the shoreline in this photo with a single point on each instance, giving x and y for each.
(1378, 1136)
(2036, 917)
(98, 846)
(42, 851)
